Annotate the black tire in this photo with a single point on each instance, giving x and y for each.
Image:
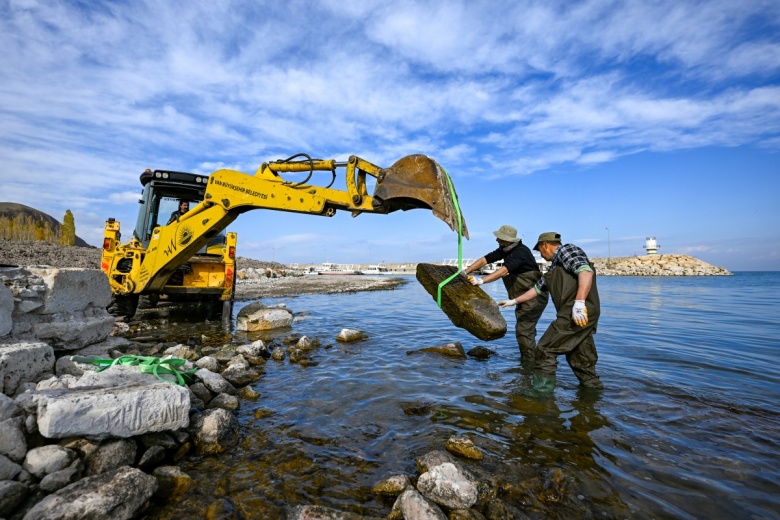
(125, 305)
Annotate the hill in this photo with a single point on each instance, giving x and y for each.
(11, 210)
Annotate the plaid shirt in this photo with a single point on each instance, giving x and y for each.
(571, 258)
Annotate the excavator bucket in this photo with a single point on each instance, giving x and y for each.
(417, 181)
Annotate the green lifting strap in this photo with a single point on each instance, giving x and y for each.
(146, 364)
(460, 239)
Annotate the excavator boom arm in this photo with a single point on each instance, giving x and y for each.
(413, 182)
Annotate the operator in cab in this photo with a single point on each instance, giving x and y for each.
(184, 207)
(519, 273)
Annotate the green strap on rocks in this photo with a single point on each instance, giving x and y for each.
(460, 238)
(148, 365)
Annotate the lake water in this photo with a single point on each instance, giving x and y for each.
(687, 426)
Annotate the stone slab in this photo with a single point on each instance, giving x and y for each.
(125, 411)
(467, 306)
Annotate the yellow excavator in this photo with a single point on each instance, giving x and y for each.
(191, 258)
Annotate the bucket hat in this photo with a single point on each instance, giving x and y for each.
(507, 234)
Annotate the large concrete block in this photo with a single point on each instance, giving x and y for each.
(126, 411)
(23, 362)
(75, 334)
(467, 306)
(72, 289)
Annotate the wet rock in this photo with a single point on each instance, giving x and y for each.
(278, 354)
(255, 349)
(448, 486)
(240, 375)
(464, 447)
(12, 494)
(64, 477)
(497, 508)
(8, 468)
(214, 431)
(8, 408)
(172, 482)
(481, 353)
(215, 382)
(394, 485)
(412, 504)
(264, 319)
(224, 401)
(13, 443)
(349, 335)
(48, 459)
(466, 514)
(238, 360)
(208, 362)
(118, 495)
(110, 456)
(454, 350)
(222, 509)
(152, 458)
(322, 513)
(432, 459)
(162, 439)
(466, 305)
(201, 392)
(182, 352)
(304, 343)
(247, 392)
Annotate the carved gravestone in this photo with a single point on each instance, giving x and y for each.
(466, 305)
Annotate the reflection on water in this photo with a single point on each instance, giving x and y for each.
(687, 426)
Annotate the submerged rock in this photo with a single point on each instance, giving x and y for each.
(467, 306)
(119, 495)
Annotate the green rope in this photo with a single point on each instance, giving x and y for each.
(460, 238)
(148, 365)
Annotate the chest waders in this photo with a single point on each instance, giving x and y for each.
(564, 337)
(526, 314)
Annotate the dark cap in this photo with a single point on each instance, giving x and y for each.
(550, 236)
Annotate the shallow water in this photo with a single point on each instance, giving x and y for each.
(686, 428)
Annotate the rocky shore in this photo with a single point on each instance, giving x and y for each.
(656, 265)
(78, 440)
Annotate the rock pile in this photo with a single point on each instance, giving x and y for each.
(656, 265)
(106, 438)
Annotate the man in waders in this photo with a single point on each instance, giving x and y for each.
(571, 281)
(519, 273)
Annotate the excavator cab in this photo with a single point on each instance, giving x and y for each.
(205, 278)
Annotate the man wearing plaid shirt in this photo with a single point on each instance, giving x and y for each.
(571, 281)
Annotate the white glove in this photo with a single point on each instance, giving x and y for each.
(507, 303)
(579, 313)
(473, 280)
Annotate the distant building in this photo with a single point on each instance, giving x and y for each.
(651, 246)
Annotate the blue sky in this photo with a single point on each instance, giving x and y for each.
(605, 121)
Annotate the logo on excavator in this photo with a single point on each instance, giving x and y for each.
(185, 235)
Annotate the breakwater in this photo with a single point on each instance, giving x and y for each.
(656, 265)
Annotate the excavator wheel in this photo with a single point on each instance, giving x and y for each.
(124, 305)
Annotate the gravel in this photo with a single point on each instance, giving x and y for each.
(29, 253)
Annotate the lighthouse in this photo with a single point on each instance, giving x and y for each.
(651, 246)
